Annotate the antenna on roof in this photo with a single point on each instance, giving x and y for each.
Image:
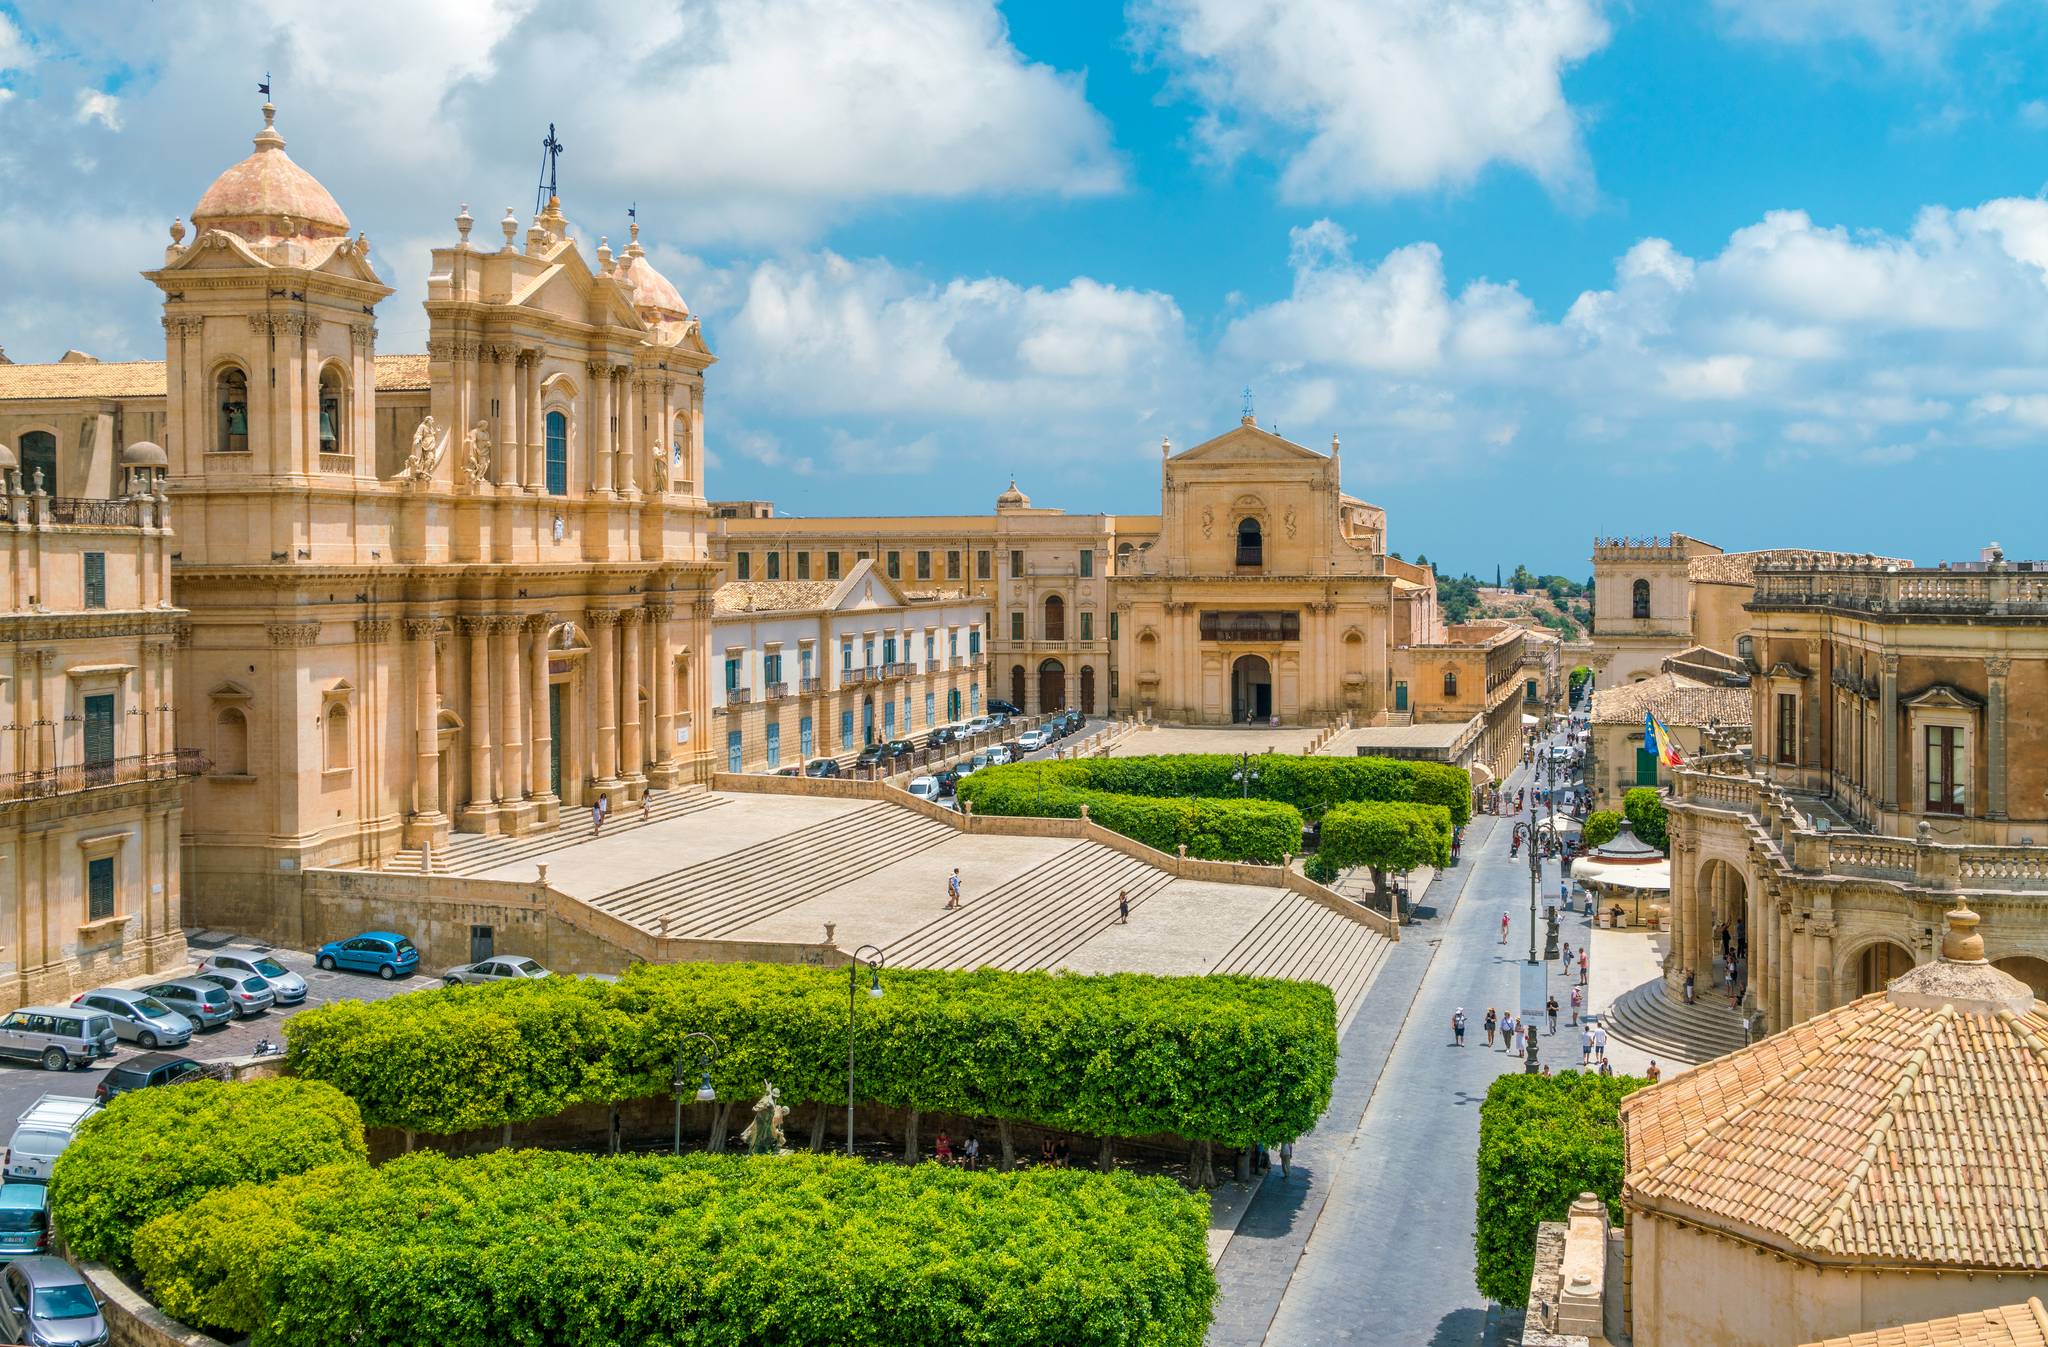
(550, 151)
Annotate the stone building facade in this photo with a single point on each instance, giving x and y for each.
(456, 591)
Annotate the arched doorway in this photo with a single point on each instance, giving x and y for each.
(2028, 969)
(867, 720)
(1877, 964)
(1087, 689)
(1251, 689)
(1052, 687)
(1721, 908)
(1017, 698)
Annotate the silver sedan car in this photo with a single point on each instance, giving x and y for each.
(499, 968)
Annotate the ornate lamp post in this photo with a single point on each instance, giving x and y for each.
(1244, 775)
(875, 965)
(707, 1053)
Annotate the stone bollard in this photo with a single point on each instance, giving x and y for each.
(1084, 813)
(542, 866)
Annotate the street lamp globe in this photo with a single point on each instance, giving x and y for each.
(705, 1094)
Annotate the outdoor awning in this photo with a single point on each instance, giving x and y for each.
(1528, 719)
(1653, 878)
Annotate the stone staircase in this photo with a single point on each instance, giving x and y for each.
(1304, 940)
(1037, 919)
(1647, 1018)
(714, 898)
(474, 853)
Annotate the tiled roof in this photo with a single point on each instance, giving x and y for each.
(1882, 1131)
(145, 378)
(1677, 700)
(771, 596)
(2007, 1326)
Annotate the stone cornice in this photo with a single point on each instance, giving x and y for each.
(21, 627)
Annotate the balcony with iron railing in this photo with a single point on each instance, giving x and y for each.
(809, 685)
(738, 696)
(42, 785)
(899, 669)
(775, 692)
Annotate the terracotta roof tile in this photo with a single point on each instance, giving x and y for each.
(1676, 699)
(1878, 1131)
(771, 596)
(145, 378)
(2006, 1326)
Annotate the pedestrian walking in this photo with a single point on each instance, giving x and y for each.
(1123, 907)
(1458, 1027)
(953, 889)
(1504, 928)
(1286, 1160)
(1652, 1073)
(1567, 955)
(1586, 1046)
(1521, 1038)
(1583, 963)
(598, 812)
(1576, 997)
(1688, 986)
(1490, 1023)
(1550, 1007)
(1600, 1041)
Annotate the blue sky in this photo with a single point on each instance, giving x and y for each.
(1771, 272)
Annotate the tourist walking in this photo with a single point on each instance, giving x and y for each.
(1550, 1007)
(953, 889)
(1600, 1041)
(1652, 1073)
(1576, 996)
(1583, 963)
(1490, 1023)
(1688, 986)
(1586, 1046)
(1123, 907)
(647, 807)
(1504, 928)
(598, 812)
(1286, 1160)
(1458, 1027)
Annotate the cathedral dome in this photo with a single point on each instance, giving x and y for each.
(254, 198)
(651, 289)
(1013, 499)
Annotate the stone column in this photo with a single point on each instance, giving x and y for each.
(1888, 711)
(507, 462)
(660, 643)
(1802, 973)
(598, 434)
(632, 743)
(1784, 965)
(536, 431)
(1821, 931)
(604, 683)
(477, 817)
(627, 474)
(665, 441)
(511, 690)
(541, 737)
(1995, 670)
(426, 799)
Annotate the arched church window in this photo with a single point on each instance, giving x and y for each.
(333, 399)
(1641, 595)
(231, 399)
(1250, 543)
(1055, 618)
(558, 454)
(1450, 684)
(38, 456)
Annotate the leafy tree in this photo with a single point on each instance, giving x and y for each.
(1458, 596)
(1386, 838)
(1543, 1140)
(1580, 677)
(1521, 580)
(1647, 815)
(1601, 827)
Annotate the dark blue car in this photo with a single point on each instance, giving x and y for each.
(385, 953)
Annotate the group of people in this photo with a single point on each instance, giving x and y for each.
(967, 1157)
(1494, 800)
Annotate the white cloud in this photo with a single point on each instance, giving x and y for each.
(95, 105)
(1365, 99)
(1913, 29)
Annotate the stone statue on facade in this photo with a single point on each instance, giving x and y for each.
(426, 452)
(476, 462)
(763, 1136)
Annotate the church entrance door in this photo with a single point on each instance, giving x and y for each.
(1251, 690)
(1052, 687)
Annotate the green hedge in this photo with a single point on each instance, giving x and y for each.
(1386, 838)
(1646, 813)
(1543, 1140)
(1226, 1059)
(1212, 829)
(1600, 828)
(154, 1151)
(535, 1248)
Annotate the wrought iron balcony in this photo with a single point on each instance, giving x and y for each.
(112, 772)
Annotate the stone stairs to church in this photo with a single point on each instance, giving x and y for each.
(1647, 1017)
(1036, 919)
(1301, 939)
(474, 853)
(714, 898)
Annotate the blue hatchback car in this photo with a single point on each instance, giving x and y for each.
(385, 953)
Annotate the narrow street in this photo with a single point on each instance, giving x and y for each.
(1372, 1241)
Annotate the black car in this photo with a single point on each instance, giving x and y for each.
(146, 1069)
(901, 748)
(948, 779)
(871, 756)
(940, 737)
(1006, 708)
(822, 767)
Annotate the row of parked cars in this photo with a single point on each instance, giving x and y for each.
(943, 783)
(885, 754)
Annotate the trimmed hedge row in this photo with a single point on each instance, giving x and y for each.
(1310, 783)
(1261, 831)
(538, 1248)
(154, 1151)
(1543, 1140)
(1225, 1059)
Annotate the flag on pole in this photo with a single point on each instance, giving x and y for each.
(1657, 738)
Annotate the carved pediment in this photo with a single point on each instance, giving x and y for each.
(1247, 443)
(1944, 697)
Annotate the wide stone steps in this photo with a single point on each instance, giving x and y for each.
(1037, 919)
(714, 898)
(474, 853)
(1301, 939)
(1647, 1017)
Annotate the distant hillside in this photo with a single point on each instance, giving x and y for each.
(1568, 619)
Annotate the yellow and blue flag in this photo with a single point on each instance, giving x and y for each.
(1657, 738)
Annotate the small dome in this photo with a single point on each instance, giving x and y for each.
(266, 187)
(1013, 499)
(143, 454)
(651, 290)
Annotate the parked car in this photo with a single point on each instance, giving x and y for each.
(43, 1133)
(138, 1016)
(978, 725)
(788, 771)
(204, 1003)
(56, 1036)
(386, 953)
(979, 761)
(822, 767)
(998, 719)
(940, 737)
(1007, 708)
(146, 1069)
(901, 748)
(45, 1302)
(948, 779)
(1032, 740)
(24, 1219)
(248, 994)
(999, 754)
(288, 986)
(925, 787)
(497, 968)
(870, 757)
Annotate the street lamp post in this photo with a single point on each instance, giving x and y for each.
(1244, 775)
(1535, 875)
(707, 1053)
(875, 966)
